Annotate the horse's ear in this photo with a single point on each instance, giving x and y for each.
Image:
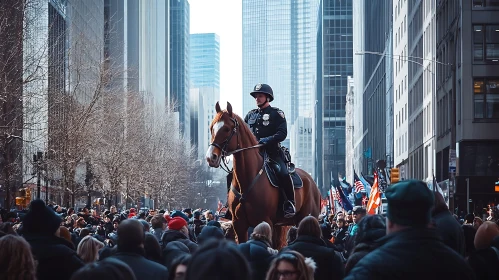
(229, 108)
(217, 108)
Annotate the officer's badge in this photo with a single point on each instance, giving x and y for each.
(265, 123)
(266, 117)
(258, 86)
(281, 113)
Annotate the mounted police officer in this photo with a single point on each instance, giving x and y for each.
(269, 126)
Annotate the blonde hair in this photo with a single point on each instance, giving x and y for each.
(88, 249)
(16, 259)
(262, 232)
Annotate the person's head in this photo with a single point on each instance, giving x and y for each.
(477, 222)
(152, 248)
(85, 210)
(88, 249)
(291, 235)
(468, 219)
(178, 268)
(113, 209)
(291, 265)
(179, 224)
(263, 95)
(41, 219)
(109, 269)
(485, 234)
(358, 213)
(340, 222)
(158, 222)
(331, 219)
(80, 223)
(409, 205)
(145, 225)
(340, 215)
(349, 217)
(209, 215)
(210, 232)
(218, 259)
(370, 228)
(64, 233)
(309, 226)
(16, 259)
(263, 232)
(130, 235)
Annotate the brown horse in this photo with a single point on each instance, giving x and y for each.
(253, 199)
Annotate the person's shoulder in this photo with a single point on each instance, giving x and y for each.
(252, 111)
(278, 112)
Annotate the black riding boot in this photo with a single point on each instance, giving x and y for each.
(289, 205)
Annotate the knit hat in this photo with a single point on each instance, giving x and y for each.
(41, 219)
(209, 232)
(485, 234)
(409, 203)
(177, 223)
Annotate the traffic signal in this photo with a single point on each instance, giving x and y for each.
(497, 186)
(394, 175)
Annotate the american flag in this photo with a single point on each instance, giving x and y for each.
(359, 187)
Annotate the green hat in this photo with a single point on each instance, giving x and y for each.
(409, 203)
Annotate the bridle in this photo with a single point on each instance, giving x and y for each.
(223, 146)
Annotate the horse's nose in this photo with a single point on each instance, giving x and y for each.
(213, 157)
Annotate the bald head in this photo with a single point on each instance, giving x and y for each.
(130, 234)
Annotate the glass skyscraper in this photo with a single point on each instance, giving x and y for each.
(205, 86)
(205, 60)
(279, 50)
(334, 65)
(179, 62)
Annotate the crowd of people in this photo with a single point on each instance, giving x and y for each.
(419, 238)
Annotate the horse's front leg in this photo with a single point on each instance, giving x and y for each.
(241, 230)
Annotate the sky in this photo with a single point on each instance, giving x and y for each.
(223, 17)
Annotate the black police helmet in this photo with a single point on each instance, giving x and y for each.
(265, 89)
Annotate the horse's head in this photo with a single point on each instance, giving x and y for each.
(223, 128)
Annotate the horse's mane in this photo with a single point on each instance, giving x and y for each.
(243, 128)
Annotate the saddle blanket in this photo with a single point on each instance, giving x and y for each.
(274, 181)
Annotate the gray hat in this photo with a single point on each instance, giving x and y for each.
(409, 203)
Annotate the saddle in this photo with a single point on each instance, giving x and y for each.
(268, 166)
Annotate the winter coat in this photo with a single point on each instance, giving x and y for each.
(339, 235)
(360, 251)
(158, 233)
(413, 253)
(175, 235)
(173, 250)
(143, 268)
(329, 264)
(258, 256)
(485, 262)
(55, 256)
(450, 231)
(469, 238)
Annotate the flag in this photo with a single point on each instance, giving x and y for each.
(359, 186)
(437, 188)
(364, 201)
(374, 197)
(366, 184)
(340, 195)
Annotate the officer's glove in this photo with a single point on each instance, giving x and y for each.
(263, 141)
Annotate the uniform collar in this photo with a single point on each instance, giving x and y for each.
(263, 109)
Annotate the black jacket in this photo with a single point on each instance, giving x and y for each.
(329, 264)
(175, 235)
(55, 256)
(258, 257)
(450, 231)
(414, 253)
(269, 125)
(143, 268)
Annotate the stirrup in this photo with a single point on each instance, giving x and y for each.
(289, 214)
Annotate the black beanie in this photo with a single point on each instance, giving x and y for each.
(41, 219)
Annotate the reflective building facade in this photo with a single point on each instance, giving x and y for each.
(279, 49)
(179, 62)
(334, 65)
(373, 79)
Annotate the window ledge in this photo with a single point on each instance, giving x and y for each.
(485, 120)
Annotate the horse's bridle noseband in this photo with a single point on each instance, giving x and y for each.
(225, 143)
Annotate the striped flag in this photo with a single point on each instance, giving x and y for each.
(374, 197)
(366, 185)
(359, 186)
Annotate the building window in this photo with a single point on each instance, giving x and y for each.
(486, 98)
(485, 3)
(486, 43)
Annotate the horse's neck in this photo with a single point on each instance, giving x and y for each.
(246, 165)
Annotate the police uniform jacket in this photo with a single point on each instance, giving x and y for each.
(268, 125)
